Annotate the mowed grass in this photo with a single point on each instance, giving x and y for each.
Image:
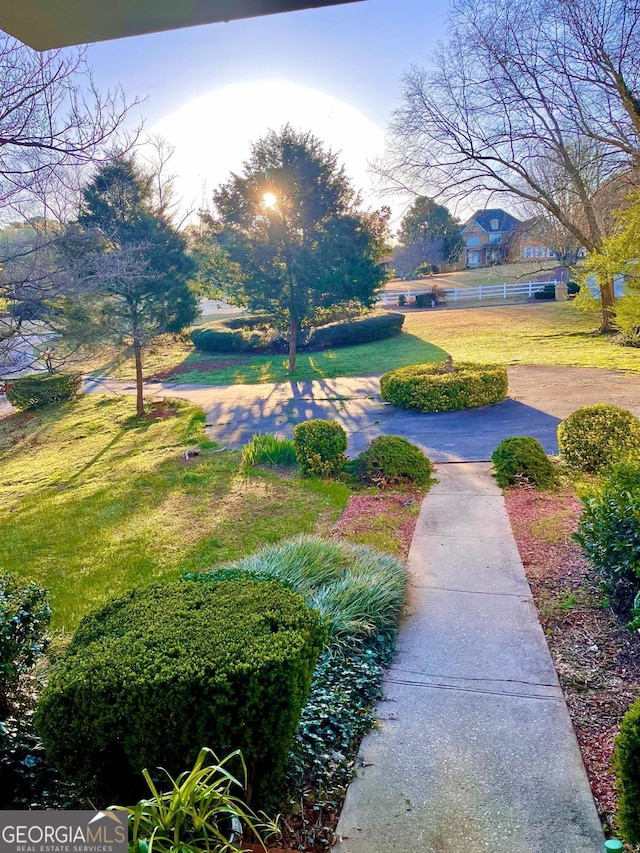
(95, 503)
(545, 333)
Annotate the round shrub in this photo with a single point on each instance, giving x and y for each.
(153, 676)
(522, 459)
(594, 437)
(42, 389)
(390, 459)
(436, 387)
(320, 447)
(609, 532)
(626, 764)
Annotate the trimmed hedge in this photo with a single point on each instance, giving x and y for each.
(220, 339)
(361, 330)
(609, 532)
(521, 458)
(626, 764)
(432, 388)
(320, 447)
(35, 392)
(153, 676)
(390, 459)
(594, 437)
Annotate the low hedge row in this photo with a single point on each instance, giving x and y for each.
(153, 676)
(42, 389)
(434, 388)
(258, 333)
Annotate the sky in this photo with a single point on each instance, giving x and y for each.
(212, 90)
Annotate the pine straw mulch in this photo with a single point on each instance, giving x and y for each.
(597, 660)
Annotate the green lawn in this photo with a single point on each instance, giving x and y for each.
(546, 333)
(95, 503)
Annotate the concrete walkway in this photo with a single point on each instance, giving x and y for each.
(475, 750)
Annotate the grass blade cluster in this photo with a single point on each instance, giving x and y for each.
(267, 449)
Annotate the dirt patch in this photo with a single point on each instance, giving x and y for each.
(597, 660)
(364, 514)
(205, 365)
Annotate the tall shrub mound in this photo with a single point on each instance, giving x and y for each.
(360, 330)
(153, 676)
(442, 387)
(609, 532)
(35, 392)
(390, 459)
(626, 764)
(521, 458)
(320, 447)
(593, 437)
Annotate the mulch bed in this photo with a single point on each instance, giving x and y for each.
(361, 511)
(597, 659)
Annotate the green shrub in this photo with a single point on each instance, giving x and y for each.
(594, 437)
(390, 459)
(348, 310)
(361, 592)
(267, 449)
(249, 321)
(362, 330)
(609, 532)
(320, 447)
(402, 300)
(522, 459)
(431, 388)
(626, 765)
(35, 392)
(153, 676)
(24, 618)
(547, 292)
(219, 339)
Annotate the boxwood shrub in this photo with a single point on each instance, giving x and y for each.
(626, 764)
(152, 677)
(320, 447)
(42, 389)
(360, 330)
(432, 388)
(390, 459)
(521, 458)
(221, 339)
(593, 437)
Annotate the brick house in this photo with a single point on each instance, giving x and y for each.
(486, 237)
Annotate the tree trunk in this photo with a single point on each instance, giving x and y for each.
(607, 299)
(293, 339)
(137, 352)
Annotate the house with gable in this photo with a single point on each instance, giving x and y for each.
(486, 237)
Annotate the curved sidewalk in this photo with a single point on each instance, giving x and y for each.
(474, 750)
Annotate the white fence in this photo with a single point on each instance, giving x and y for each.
(478, 293)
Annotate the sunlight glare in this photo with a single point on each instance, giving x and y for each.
(269, 200)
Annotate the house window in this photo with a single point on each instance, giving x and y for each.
(473, 241)
(540, 252)
(527, 252)
(495, 238)
(494, 225)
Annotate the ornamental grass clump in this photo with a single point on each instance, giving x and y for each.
(521, 459)
(359, 591)
(267, 449)
(444, 387)
(153, 676)
(592, 438)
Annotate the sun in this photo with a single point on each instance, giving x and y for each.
(270, 200)
(212, 134)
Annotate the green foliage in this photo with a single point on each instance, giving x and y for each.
(626, 764)
(628, 319)
(546, 292)
(521, 458)
(267, 449)
(227, 665)
(197, 814)
(309, 246)
(24, 618)
(431, 388)
(360, 591)
(593, 437)
(320, 447)
(390, 460)
(609, 532)
(42, 389)
(361, 330)
(427, 221)
(219, 339)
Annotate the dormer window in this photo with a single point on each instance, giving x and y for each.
(494, 224)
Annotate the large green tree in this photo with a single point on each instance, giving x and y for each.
(291, 223)
(430, 224)
(133, 264)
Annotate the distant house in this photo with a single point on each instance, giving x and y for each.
(531, 242)
(486, 237)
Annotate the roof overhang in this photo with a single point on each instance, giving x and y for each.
(44, 24)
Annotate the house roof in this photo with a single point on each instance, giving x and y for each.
(44, 24)
(482, 218)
